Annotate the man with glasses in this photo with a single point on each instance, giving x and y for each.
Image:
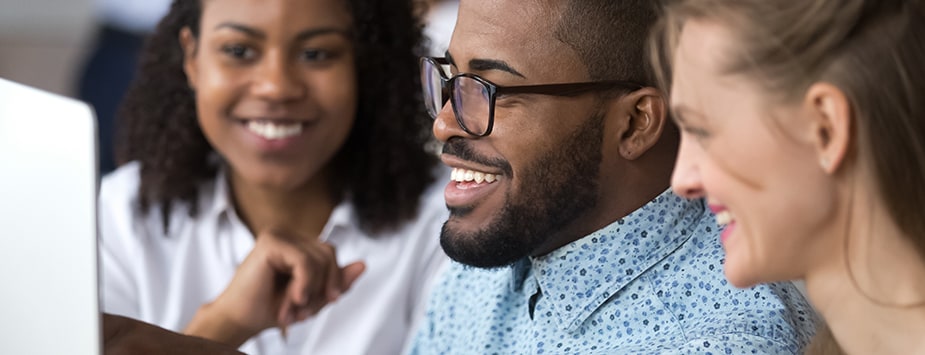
(567, 236)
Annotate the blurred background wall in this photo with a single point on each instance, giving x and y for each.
(42, 42)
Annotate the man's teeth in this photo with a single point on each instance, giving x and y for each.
(723, 218)
(269, 130)
(462, 175)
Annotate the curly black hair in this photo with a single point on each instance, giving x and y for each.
(383, 164)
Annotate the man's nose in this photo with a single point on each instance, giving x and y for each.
(445, 124)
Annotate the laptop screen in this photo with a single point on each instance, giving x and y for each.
(48, 258)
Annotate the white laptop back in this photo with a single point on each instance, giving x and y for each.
(48, 258)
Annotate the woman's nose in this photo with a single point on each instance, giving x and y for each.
(276, 82)
(685, 179)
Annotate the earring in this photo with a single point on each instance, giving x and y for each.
(824, 162)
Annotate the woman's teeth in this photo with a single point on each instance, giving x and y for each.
(723, 218)
(463, 175)
(271, 131)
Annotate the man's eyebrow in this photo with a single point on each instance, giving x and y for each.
(482, 65)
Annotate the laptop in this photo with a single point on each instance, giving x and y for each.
(49, 301)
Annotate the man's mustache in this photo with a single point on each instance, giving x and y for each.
(460, 148)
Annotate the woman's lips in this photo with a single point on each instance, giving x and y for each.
(271, 130)
(276, 135)
(725, 219)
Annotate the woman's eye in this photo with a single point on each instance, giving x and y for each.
(315, 55)
(697, 132)
(238, 51)
(701, 136)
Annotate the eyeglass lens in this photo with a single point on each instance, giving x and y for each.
(470, 98)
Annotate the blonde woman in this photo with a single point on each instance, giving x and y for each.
(804, 126)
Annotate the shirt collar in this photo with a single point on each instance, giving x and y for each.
(343, 216)
(521, 272)
(220, 203)
(579, 277)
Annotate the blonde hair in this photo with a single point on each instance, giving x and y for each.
(873, 50)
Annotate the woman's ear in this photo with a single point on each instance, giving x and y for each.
(189, 46)
(645, 113)
(831, 115)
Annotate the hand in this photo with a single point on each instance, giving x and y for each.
(127, 336)
(283, 280)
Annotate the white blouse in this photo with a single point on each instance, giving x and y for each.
(164, 278)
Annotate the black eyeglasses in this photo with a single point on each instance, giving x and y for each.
(473, 98)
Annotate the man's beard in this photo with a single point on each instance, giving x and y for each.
(556, 189)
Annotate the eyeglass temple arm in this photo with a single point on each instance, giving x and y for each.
(568, 89)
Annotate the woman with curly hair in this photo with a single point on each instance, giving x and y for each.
(261, 144)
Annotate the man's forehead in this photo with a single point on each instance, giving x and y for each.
(520, 33)
(492, 18)
(512, 9)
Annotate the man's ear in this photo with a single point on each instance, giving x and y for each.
(830, 114)
(644, 112)
(189, 46)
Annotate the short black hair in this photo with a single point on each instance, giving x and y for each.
(383, 165)
(610, 37)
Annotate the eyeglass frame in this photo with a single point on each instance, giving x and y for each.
(494, 90)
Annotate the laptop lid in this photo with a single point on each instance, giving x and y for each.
(48, 257)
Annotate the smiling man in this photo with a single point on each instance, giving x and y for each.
(567, 237)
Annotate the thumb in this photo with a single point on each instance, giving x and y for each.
(352, 272)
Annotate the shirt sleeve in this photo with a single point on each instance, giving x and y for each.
(119, 294)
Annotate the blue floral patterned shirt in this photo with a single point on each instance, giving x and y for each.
(650, 283)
